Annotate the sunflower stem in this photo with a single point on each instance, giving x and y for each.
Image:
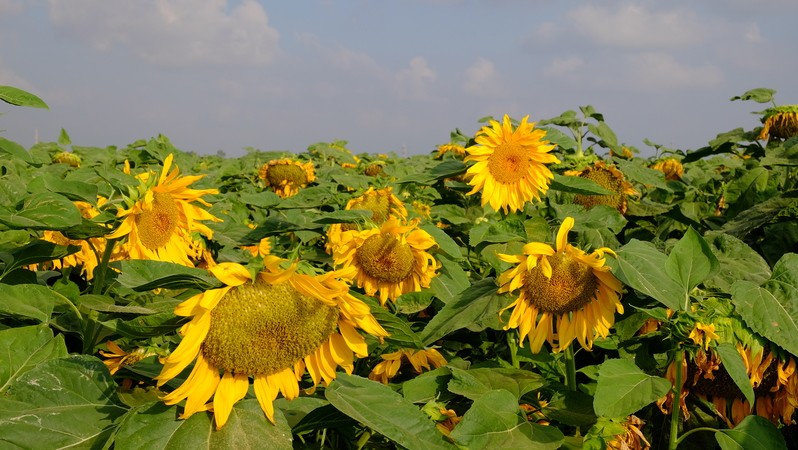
(694, 430)
(513, 346)
(102, 267)
(570, 368)
(676, 401)
(364, 439)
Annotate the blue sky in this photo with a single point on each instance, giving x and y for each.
(386, 75)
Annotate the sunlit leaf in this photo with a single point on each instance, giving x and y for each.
(690, 261)
(27, 347)
(18, 97)
(735, 366)
(144, 275)
(42, 211)
(641, 266)
(475, 383)
(30, 301)
(624, 389)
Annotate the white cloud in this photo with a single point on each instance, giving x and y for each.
(752, 34)
(8, 7)
(655, 70)
(635, 26)
(172, 32)
(9, 78)
(565, 67)
(344, 58)
(482, 79)
(414, 80)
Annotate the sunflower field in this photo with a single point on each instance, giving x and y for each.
(526, 285)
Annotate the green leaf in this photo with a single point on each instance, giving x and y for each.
(691, 261)
(399, 331)
(26, 347)
(380, 408)
(428, 386)
(18, 97)
(42, 211)
(344, 216)
(735, 366)
(162, 321)
(494, 421)
(752, 433)
(28, 300)
(451, 280)
(73, 190)
(264, 199)
(472, 309)
(624, 389)
(577, 185)
(445, 243)
(155, 426)
(603, 131)
(638, 173)
(65, 402)
(475, 383)
(759, 95)
(573, 408)
(641, 266)
(37, 252)
(15, 150)
(63, 138)
(736, 260)
(144, 275)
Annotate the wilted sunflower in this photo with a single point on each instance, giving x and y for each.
(161, 217)
(90, 249)
(391, 259)
(270, 328)
(510, 167)
(116, 358)
(381, 202)
(631, 438)
(566, 294)
(611, 179)
(286, 176)
(671, 167)
(780, 122)
(421, 360)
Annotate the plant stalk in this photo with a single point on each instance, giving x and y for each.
(676, 402)
(570, 368)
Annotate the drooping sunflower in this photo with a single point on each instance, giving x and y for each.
(116, 358)
(565, 294)
(287, 176)
(382, 203)
(270, 328)
(90, 249)
(421, 360)
(671, 167)
(780, 122)
(611, 179)
(510, 167)
(161, 217)
(390, 260)
(458, 151)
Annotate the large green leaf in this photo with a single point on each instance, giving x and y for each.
(428, 386)
(42, 211)
(144, 275)
(624, 389)
(735, 366)
(690, 262)
(66, 402)
(28, 300)
(577, 185)
(451, 280)
(736, 261)
(15, 150)
(641, 266)
(494, 421)
(156, 425)
(24, 348)
(399, 331)
(445, 243)
(18, 97)
(753, 433)
(475, 383)
(380, 408)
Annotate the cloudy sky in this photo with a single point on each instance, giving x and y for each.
(386, 75)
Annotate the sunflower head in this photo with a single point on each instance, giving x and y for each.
(286, 176)
(67, 158)
(671, 167)
(86, 256)
(392, 259)
(375, 169)
(456, 150)
(421, 360)
(780, 122)
(271, 328)
(510, 167)
(563, 293)
(611, 179)
(382, 203)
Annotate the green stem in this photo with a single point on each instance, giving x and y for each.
(513, 346)
(570, 368)
(676, 402)
(364, 439)
(694, 430)
(102, 267)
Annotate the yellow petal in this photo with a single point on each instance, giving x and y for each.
(231, 389)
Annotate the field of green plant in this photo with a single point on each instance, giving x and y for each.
(530, 285)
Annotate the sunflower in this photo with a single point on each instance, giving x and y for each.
(671, 167)
(381, 202)
(391, 259)
(421, 360)
(565, 294)
(611, 179)
(510, 167)
(458, 151)
(116, 358)
(87, 257)
(272, 328)
(780, 122)
(632, 438)
(286, 176)
(161, 218)
(67, 158)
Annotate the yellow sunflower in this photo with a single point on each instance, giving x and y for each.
(457, 150)
(780, 122)
(565, 294)
(67, 158)
(90, 249)
(116, 358)
(421, 360)
(270, 328)
(510, 167)
(161, 217)
(608, 177)
(382, 203)
(671, 167)
(391, 259)
(286, 176)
